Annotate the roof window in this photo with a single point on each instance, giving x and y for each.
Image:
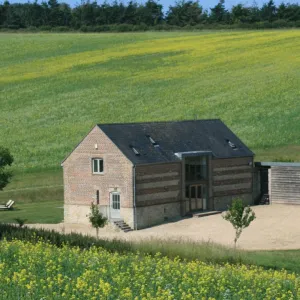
(231, 144)
(136, 152)
(152, 141)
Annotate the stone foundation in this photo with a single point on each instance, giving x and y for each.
(222, 203)
(157, 214)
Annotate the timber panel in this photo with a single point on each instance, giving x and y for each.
(231, 178)
(158, 184)
(284, 185)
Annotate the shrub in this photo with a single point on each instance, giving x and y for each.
(45, 28)
(239, 216)
(61, 29)
(96, 218)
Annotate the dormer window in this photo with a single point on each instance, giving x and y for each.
(97, 165)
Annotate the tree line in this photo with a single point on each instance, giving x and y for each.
(93, 16)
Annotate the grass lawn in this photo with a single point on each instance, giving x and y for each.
(55, 87)
(35, 212)
(38, 197)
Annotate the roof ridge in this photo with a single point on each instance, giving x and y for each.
(157, 122)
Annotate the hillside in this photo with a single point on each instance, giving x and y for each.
(55, 87)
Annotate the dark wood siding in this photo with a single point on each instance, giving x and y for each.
(158, 184)
(284, 185)
(231, 178)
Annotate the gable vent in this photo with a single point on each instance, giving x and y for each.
(152, 141)
(134, 150)
(231, 144)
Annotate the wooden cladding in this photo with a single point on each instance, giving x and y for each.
(233, 181)
(231, 162)
(145, 171)
(157, 202)
(232, 177)
(161, 177)
(229, 171)
(233, 192)
(285, 185)
(158, 184)
(162, 189)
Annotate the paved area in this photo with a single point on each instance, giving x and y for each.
(275, 227)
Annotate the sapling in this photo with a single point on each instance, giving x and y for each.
(96, 218)
(240, 216)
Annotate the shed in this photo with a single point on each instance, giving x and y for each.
(281, 181)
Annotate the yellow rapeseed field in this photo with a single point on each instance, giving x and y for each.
(43, 271)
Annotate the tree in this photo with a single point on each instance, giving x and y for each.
(240, 216)
(240, 13)
(151, 13)
(219, 13)
(96, 218)
(184, 13)
(6, 159)
(268, 11)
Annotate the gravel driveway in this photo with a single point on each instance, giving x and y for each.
(275, 227)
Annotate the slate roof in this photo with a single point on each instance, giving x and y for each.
(172, 137)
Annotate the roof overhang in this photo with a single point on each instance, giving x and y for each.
(276, 164)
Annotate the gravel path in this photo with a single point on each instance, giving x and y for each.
(275, 227)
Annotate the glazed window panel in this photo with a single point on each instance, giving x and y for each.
(116, 201)
(196, 168)
(97, 164)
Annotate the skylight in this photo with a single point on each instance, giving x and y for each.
(136, 152)
(232, 145)
(152, 141)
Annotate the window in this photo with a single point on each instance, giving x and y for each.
(196, 168)
(232, 145)
(97, 165)
(152, 141)
(116, 201)
(136, 152)
(97, 197)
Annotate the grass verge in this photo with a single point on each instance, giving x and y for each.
(206, 252)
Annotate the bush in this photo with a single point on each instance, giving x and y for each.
(45, 28)
(13, 27)
(61, 29)
(123, 27)
(102, 28)
(140, 27)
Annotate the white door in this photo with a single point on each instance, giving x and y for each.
(115, 205)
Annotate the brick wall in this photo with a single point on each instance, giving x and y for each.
(80, 184)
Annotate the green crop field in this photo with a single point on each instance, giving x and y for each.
(55, 87)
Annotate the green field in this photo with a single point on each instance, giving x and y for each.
(55, 87)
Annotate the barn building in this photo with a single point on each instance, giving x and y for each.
(143, 174)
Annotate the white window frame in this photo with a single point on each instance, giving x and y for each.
(98, 165)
